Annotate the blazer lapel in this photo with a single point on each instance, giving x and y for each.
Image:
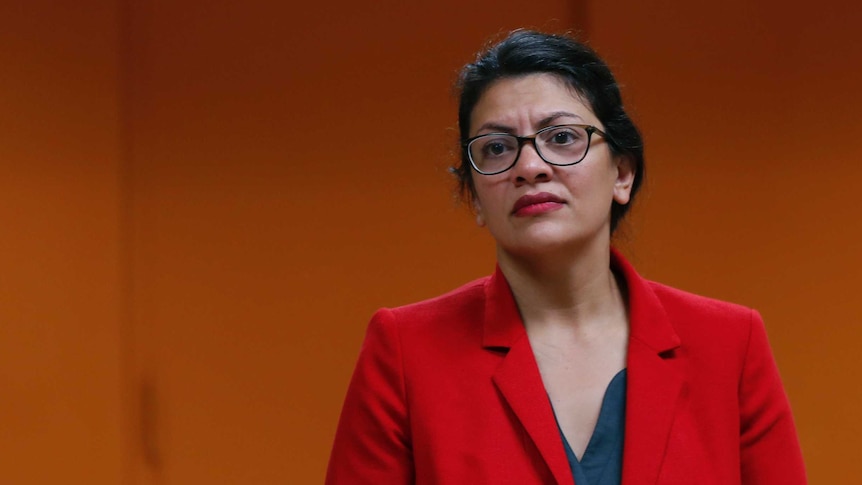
(520, 383)
(654, 386)
(518, 378)
(655, 379)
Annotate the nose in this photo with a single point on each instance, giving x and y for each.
(530, 168)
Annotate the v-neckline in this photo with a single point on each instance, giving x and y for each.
(604, 430)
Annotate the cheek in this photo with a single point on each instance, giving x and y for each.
(487, 198)
(592, 187)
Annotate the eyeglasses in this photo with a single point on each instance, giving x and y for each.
(560, 145)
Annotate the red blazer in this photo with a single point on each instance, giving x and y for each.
(448, 391)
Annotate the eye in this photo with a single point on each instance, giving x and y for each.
(497, 147)
(564, 135)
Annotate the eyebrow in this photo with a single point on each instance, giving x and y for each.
(557, 114)
(546, 121)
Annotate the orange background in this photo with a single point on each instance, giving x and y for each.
(203, 203)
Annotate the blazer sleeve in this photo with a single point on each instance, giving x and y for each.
(372, 443)
(769, 447)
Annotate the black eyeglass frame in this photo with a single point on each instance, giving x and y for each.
(590, 129)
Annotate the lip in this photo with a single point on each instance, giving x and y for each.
(532, 204)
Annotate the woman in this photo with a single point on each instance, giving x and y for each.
(564, 366)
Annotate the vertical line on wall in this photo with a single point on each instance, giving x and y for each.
(137, 398)
(579, 17)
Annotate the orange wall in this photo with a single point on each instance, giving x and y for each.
(60, 338)
(206, 202)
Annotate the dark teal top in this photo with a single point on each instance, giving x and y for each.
(602, 463)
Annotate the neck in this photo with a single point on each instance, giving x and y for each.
(575, 289)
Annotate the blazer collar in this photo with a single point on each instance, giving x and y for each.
(503, 325)
(654, 377)
(649, 323)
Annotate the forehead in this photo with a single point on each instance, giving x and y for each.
(525, 100)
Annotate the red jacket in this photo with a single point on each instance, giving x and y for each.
(448, 391)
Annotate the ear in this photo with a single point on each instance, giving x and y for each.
(625, 179)
(477, 209)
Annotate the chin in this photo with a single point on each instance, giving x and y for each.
(542, 243)
(542, 246)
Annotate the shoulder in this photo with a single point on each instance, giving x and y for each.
(712, 329)
(455, 315)
(468, 298)
(659, 311)
(682, 303)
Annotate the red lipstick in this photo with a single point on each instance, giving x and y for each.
(533, 204)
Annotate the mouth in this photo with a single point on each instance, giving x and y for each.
(540, 203)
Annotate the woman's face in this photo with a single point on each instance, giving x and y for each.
(534, 206)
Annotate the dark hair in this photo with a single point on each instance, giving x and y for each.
(525, 52)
